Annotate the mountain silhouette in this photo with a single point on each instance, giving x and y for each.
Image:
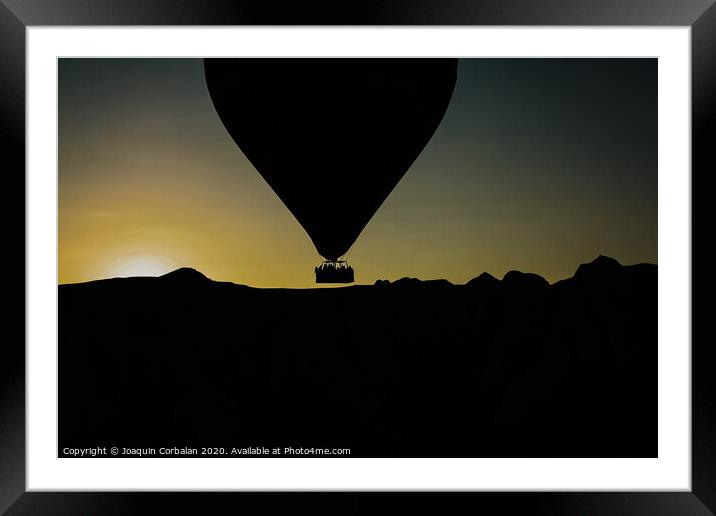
(484, 280)
(524, 281)
(511, 367)
(185, 275)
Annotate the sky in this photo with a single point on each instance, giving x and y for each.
(538, 165)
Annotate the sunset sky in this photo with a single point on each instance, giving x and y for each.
(538, 165)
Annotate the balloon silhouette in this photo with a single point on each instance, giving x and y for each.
(332, 137)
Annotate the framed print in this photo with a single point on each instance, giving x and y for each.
(405, 249)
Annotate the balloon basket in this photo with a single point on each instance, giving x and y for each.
(334, 272)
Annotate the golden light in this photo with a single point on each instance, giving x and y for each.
(139, 265)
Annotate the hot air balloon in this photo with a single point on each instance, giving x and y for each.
(332, 137)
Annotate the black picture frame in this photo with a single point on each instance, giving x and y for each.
(16, 15)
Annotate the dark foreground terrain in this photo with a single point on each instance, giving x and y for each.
(494, 368)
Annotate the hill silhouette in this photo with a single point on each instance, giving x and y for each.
(185, 275)
(493, 368)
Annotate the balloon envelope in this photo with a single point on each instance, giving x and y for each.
(332, 137)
